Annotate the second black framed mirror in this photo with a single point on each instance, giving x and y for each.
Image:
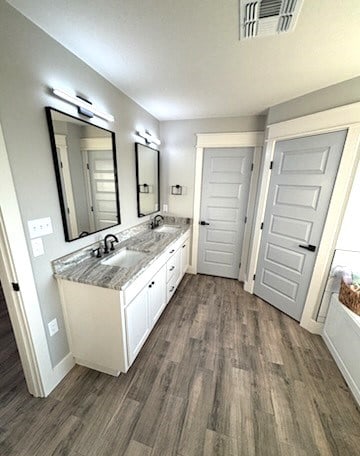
(147, 179)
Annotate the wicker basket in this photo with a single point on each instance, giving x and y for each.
(349, 298)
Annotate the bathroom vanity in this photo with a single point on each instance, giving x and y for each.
(112, 303)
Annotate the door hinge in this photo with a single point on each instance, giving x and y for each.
(61, 164)
(239, 265)
(92, 208)
(271, 164)
(262, 226)
(15, 286)
(252, 166)
(87, 165)
(254, 276)
(245, 221)
(68, 210)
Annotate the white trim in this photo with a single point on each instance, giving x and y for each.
(24, 308)
(89, 202)
(210, 140)
(61, 144)
(244, 139)
(250, 214)
(63, 368)
(344, 117)
(60, 140)
(96, 143)
(333, 119)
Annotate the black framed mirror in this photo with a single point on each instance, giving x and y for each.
(147, 179)
(86, 173)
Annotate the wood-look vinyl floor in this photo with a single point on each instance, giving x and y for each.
(223, 373)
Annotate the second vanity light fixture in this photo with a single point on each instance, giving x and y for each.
(150, 139)
(85, 107)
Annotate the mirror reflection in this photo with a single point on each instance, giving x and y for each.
(85, 165)
(147, 179)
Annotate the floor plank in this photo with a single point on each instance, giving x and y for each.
(223, 373)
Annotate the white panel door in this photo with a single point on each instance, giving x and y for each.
(301, 184)
(102, 188)
(224, 200)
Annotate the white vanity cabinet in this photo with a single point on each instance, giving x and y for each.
(142, 313)
(137, 324)
(106, 328)
(185, 255)
(157, 296)
(173, 273)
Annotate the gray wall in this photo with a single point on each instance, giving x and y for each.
(345, 92)
(178, 154)
(31, 63)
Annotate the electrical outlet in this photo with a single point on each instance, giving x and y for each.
(40, 227)
(53, 327)
(165, 207)
(37, 247)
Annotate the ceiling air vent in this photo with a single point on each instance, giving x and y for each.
(267, 17)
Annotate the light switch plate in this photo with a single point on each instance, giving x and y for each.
(37, 247)
(53, 327)
(165, 207)
(40, 227)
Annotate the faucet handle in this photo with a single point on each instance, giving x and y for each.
(96, 252)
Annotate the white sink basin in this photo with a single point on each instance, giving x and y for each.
(125, 258)
(167, 229)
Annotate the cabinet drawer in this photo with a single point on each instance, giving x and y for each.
(170, 290)
(173, 266)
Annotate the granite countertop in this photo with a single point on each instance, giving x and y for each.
(83, 268)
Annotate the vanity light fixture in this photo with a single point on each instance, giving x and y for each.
(85, 107)
(176, 190)
(149, 138)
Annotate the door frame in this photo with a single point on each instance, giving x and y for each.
(340, 118)
(61, 144)
(23, 306)
(253, 139)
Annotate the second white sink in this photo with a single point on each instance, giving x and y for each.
(167, 229)
(125, 258)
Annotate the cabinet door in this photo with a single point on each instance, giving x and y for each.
(137, 323)
(185, 253)
(157, 295)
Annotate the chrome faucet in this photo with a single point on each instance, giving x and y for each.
(156, 221)
(110, 239)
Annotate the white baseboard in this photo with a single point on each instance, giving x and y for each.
(249, 286)
(60, 371)
(191, 270)
(315, 327)
(349, 380)
(98, 367)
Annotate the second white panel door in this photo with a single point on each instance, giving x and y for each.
(224, 200)
(301, 184)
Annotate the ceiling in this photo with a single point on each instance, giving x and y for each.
(183, 59)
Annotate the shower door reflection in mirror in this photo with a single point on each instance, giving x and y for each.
(85, 165)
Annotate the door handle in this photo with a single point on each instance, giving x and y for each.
(204, 223)
(310, 247)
